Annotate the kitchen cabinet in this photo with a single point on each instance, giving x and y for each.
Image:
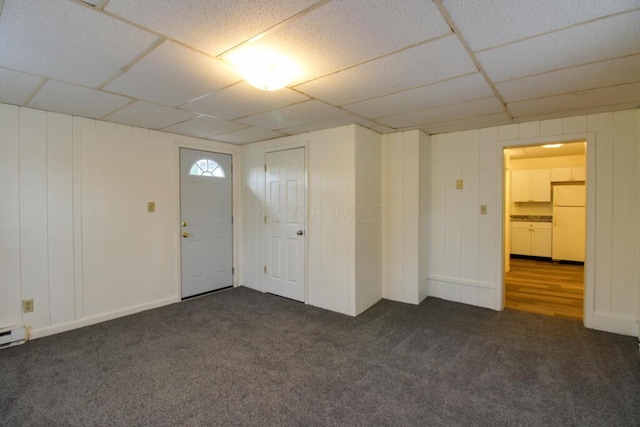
(569, 174)
(531, 185)
(531, 238)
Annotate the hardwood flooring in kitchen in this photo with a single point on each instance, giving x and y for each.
(545, 287)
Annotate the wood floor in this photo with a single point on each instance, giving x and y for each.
(545, 287)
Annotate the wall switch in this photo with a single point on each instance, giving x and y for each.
(27, 306)
(459, 184)
(151, 206)
(483, 209)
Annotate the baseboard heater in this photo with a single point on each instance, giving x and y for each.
(13, 335)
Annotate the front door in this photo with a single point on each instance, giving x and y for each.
(206, 223)
(285, 223)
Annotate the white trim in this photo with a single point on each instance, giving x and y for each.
(615, 324)
(589, 285)
(92, 320)
(465, 282)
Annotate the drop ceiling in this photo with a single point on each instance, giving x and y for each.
(439, 66)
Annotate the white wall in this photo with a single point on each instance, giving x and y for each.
(332, 206)
(77, 238)
(368, 224)
(465, 262)
(405, 206)
(466, 248)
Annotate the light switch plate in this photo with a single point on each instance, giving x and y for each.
(483, 209)
(151, 206)
(459, 184)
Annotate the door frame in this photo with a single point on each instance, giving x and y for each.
(235, 205)
(589, 264)
(275, 149)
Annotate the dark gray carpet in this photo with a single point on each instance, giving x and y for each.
(240, 357)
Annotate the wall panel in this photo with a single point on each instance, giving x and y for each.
(60, 217)
(10, 290)
(34, 250)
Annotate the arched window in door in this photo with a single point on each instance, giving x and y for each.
(207, 167)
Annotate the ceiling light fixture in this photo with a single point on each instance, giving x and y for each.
(264, 69)
(552, 146)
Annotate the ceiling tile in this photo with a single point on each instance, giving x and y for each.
(242, 100)
(67, 41)
(424, 64)
(342, 33)
(438, 94)
(150, 116)
(172, 75)
(204, 127)
(580, 112)
(591, 76)
(333, 123)
(478, 107)
(247, 135)
(294, 115)
(489, 23)
(382, 129)
(604, 39)
(76, 100)
(16, 87)
(579, 100)
(478, 122)
(212, 26)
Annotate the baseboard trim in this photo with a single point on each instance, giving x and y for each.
(614, 324)
(99, 318)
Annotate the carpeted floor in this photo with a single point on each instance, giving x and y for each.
(240, 357)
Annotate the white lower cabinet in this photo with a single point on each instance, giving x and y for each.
(531, 238)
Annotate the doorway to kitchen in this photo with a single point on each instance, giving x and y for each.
(545, 228)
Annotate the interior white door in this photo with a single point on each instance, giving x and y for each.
(285, 223)
(206, 222)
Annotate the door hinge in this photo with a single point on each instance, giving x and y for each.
(265, 219)
(233, 270)
(265, 167)
(265, 269)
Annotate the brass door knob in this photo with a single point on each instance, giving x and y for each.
(185, 234)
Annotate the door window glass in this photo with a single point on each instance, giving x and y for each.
(207, 167)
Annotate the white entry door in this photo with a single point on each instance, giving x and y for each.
(206, 223)
(285, 223)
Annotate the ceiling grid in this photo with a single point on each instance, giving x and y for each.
(439, 66)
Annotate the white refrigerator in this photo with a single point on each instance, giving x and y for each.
(569, 223)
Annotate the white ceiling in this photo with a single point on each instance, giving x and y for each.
(439, 66)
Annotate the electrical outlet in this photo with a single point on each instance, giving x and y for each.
(27, 306)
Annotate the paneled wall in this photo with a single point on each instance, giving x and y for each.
(405, 192)
(77, 237)
(466, 248)
(368, 219)
(333, 267)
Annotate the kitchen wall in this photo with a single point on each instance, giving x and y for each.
(465, 252)
(541, 208)
(77, 238)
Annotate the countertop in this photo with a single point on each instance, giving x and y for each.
(531, 218)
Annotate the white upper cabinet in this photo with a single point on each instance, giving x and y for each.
(569, 174)
(531, 185)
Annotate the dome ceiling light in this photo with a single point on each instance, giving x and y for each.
(263, 69)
